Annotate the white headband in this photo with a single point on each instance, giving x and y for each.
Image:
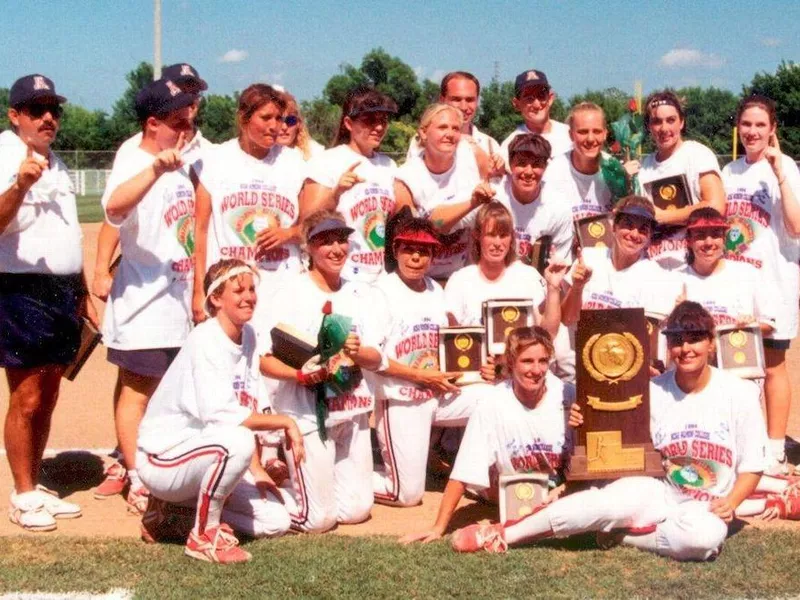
(222, 278)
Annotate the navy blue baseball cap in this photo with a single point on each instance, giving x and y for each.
(160, 98)
(329, 225)
(32, 87)
(635, 211)
(528, 79)
(186, 76)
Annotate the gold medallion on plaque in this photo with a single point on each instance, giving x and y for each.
(739, 357)
(524, 491)
(510, 314)
(668, 192)
(738, 339)
(463, 362)
(613, 357)
(463, 342)
(596, 230)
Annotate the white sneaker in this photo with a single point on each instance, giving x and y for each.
(58, 508)
(27, 510)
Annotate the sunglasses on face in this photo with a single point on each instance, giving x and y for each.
(689, 337)
(37, 110)
(291, 120)
(542, 94)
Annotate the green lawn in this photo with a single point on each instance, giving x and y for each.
(89, 209)
(754, 563)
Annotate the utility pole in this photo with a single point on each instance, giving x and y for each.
(156, 39)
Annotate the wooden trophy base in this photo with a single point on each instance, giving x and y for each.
(605, 457)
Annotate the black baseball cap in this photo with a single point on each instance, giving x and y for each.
(32, 87)
(186, 76)
(529, 78)
(634, 210)
(332, 224)
(161, 97)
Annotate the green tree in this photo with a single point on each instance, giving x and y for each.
(709, 116)
(4, 124)
(784, 88)
(81, 129)
(322, 119)
(123, 122)
(613, 101)
(217, 117)
(428, 95)
(496, 116)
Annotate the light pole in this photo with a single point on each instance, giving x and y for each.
(156, 39)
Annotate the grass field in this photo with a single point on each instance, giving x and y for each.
(89, 209)
(753, 564)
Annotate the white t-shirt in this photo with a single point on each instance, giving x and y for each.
(642, 285)
(504, 435)
(558, 136)
(430, 190)
(547, 215)
(693, 160)
(149, 304)
(483, 140)
(758, 234)
(365, 207)
(586, 195)
(248, 195)
(192, 152)
(411, 334)
(736, 290)
(298, 303)
(467, 289)
(212, 382)
(707, 438)
(44, 236)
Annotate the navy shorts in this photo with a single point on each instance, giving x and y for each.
(39, 319)
(150, 362)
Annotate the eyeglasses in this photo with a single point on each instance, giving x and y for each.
(36, 110)
(540, 93)
(291, 120)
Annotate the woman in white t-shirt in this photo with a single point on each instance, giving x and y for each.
(732, 292)
(412, 394)
(247, 206)
(357, 180)
(294, 132)
(664, 118)
(334, 485)
(444, 183)
(196, 441)
(521, 427)
(763, 213)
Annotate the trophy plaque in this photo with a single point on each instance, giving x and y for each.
(613, 391)
(654, 326)
(90, 337)
(740, 350)
(500, 317)
(292, 347)
(520, 494)
(462, 350)
(595, 231)
(540, 253)
(670, 193)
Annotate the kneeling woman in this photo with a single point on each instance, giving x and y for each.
(520, 428)
(708, 427)
(196, 440)
(335, 484)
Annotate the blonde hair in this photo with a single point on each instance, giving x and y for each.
(522, 338)
(431, 112)
(303, 139)
(218, 270)
(503, 224)
(585, 107)
(311, 221)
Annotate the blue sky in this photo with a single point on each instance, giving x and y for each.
(87, 46)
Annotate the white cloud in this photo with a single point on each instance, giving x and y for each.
(233, 56)
(771, 42)
(688, 57)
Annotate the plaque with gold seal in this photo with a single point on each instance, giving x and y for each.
(740, 350)
(655, 324)
(670, 193)
(613, 392)
(500, 317)
(520, 494)
(540, 253)
(595, 231)
(462, 350)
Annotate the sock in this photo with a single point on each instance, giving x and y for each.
(533, 527)
(642, 542)
(136, 483)
(777, 447)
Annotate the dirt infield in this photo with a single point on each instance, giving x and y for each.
(83, 421)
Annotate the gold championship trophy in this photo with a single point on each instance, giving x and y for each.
(595, 231)
(740, 350)
(613, 391)
(462, 350)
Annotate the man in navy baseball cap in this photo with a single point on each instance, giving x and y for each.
(186, 76)
(33, 87)
(160, 98)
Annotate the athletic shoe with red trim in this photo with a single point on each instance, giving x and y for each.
(114, 483)
(217, 545)
(785, 505)
(482, 536)
(137, 500)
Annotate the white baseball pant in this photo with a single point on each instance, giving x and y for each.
(211, 471)
(333, 484)
(404, 430)
(676, 525)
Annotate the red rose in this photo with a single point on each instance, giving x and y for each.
(632, 106)
(616, 147)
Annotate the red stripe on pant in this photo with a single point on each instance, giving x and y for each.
(219, 468)
(387, 430)
(298, 520)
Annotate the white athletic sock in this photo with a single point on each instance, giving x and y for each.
(778, 449)
(136, 483)
(642, 542)
(529, 528)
